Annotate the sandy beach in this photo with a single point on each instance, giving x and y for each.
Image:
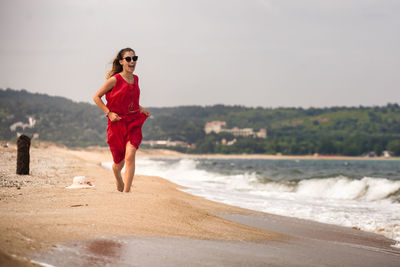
(156, 224)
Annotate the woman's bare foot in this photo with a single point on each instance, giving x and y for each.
(118, 177)
(120, 186)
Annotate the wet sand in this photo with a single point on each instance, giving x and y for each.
(311, 244)
(156, 224)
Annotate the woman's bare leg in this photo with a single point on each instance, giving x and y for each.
(130, 166)
(117, 173)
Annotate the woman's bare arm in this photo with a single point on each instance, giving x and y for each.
(107, 86)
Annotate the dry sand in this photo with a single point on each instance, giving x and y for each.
(160, 225)
(38, 211)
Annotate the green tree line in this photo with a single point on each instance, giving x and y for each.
(333, 130)
(297, 131)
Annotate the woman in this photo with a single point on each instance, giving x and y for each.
(125, 115)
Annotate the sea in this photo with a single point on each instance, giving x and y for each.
(362, 194)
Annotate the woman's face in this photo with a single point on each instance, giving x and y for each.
(128, 66)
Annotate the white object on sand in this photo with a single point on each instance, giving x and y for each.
(80, 182)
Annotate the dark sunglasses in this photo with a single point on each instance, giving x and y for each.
(128, 59)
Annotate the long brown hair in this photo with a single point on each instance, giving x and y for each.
(116, 67)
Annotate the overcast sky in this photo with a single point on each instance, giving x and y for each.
(265, 53)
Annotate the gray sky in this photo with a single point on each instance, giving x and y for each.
(265, 53)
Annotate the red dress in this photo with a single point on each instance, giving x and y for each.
(123, 99)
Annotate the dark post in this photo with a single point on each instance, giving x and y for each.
(23, 143)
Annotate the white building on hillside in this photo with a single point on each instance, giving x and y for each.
(219, 127)
(214, 126)
(246, 132)
(262, 133)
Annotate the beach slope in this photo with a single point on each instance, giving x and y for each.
(156, 224)
(38, 211)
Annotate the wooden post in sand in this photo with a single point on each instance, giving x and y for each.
(23, 143)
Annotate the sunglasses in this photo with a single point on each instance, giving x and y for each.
(128, 59)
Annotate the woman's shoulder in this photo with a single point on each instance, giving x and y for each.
(116, 77)
(111, 82)
(113, 78)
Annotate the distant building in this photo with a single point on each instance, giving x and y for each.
(246, 132)
(371, 154)
(262, 133)
(219, 127)
(387, 154)
(214, 126)
(167, 143)
(228, 143)
(22, 125)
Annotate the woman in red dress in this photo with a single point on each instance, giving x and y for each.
(125, 115)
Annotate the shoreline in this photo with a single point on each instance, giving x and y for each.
(166, 153)
(39, 212)
(43, 214)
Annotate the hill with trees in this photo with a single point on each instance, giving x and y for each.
(57, 119)
(334, 130)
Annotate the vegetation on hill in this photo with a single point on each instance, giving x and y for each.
(57, 119)
(335, 130)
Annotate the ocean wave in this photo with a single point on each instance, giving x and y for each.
(369, 204)
(185, 172)
(365, 189)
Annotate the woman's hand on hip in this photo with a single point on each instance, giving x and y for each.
(145, 112)
(113, 116)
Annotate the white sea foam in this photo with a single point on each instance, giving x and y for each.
(369, 189)
(42, 263)
(366, 203)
